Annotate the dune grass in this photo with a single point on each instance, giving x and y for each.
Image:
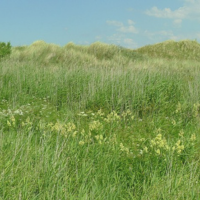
(182, 50)
(100, 122)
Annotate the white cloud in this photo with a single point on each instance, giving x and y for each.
(122, 28)
(114, 23)
(189, 10)
(161, 35)
(177, 15)
(121, 39)
(177, 21)
(130, 43)
(168, 13)
(116, 38)
(130, 22)
(129, 29)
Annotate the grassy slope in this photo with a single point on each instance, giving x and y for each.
(182, 50)
(132, 149)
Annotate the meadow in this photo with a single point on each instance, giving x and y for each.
(100, 122)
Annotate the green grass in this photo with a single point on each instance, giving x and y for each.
(100, 122)
(182, 50)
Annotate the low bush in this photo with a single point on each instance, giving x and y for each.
(5, 49)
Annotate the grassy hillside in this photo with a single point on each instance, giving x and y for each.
(45, 53)
(51, 53)
(182, 50)
(100, 122)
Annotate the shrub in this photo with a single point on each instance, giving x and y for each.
(5, 49)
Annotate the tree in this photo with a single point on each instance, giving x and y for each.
(5, 49)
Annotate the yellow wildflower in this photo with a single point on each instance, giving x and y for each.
(123, 148)
(178, 147)
(146, 149)
(101, 137)
(178, 108)
(12, 118)
(113, 116)
(158, 151)
(153, 143)
(100, 113)
(193, 137)
(81, 143)
(97, 137)
(70, 127)
(74, 134)
(173, 122)
(28, 120)
(83, 132)
(8, 123)
(181, 134)
(178, 143)
(95, 125)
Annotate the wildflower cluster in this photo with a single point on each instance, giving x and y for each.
(64, 129)
(99, 138)
(11, 122)
(27, 123)
(178, 147)
(159, 147)
(159, 144)
(97, 131)
(126, 114)
(100, 113)
(196, 108)
(112, 117)
(95, 126)
(124, 149)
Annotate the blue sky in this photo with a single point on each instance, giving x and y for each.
(128, 23)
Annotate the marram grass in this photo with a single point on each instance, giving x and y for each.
(79, 123)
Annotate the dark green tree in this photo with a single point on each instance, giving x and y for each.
(5, 49)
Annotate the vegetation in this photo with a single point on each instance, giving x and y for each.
(5, 49)
(185, 50)
(100, 122)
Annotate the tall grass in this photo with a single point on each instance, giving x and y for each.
(99, 122)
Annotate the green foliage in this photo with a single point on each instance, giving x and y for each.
(5, 49)
(98, 122)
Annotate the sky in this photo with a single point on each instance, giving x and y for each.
(128, 23)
